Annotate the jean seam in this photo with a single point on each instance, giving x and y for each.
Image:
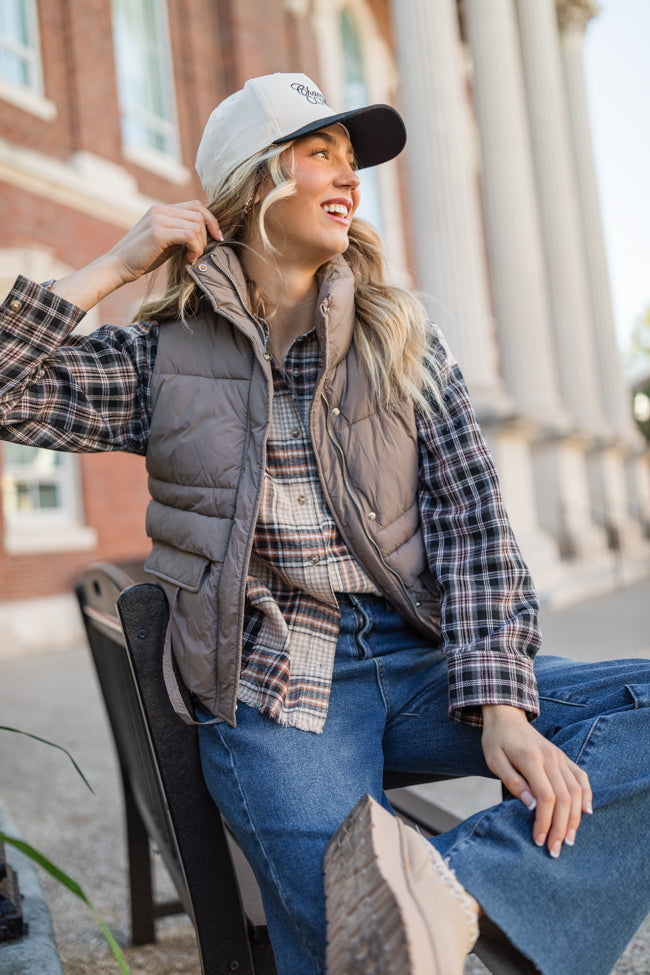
(457, 847)
(562, 700)
(383, 688)
(269, 863)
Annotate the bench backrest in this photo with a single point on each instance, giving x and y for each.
(159, 755)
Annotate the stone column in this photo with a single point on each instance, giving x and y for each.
(513, 226)
(573, 16)
(610, 484)
(444, 170)
(443, 191)
(559, 210)
(567, 509)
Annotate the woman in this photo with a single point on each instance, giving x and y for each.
(346, 595)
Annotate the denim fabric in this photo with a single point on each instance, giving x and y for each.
(284, 792)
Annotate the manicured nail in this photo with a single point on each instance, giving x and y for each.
(529, 800)
(590, 809)
(555, 850)
(221, 236)
(570, 838)
(539, 840)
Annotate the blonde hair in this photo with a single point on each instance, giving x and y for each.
(392, 337)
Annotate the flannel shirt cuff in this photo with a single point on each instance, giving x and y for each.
(36, 317)
(490, 677)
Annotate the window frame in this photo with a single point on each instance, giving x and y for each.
(164, 160)
(28, 97)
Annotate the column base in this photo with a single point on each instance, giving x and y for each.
(613, 506)
(563, 496)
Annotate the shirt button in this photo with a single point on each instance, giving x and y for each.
(15, 304)
(371, 515)
(314, 559)
(295, 433)
(335, 411)
(296, 372)
(301, 499)
(418, 603)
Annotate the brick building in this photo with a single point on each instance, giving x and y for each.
(102, 105)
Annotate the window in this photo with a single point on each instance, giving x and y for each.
(145, 76)
(40, 501)
(40, 490)
(355, 95)
(19, 48)
(35, 482)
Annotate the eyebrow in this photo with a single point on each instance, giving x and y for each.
(328, 137)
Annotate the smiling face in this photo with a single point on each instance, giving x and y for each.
(311, 226)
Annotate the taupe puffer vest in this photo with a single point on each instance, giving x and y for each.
(212, 396)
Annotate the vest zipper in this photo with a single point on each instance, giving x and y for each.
(242, 594)
(360, 511)
(256, 321)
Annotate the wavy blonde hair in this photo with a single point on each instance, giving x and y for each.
(392, 337)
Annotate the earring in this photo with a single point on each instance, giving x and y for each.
(248, 205)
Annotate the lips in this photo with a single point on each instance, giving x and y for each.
(339, 207)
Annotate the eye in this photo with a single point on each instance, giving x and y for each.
(322, 151)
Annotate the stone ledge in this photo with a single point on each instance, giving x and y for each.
(34, 954)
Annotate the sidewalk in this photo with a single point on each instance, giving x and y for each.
(55, 695)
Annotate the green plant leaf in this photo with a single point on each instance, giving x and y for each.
(72, 886)
(52, 744)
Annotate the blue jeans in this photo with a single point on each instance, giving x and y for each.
(284, 792)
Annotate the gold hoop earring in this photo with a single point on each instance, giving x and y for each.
(248, 205)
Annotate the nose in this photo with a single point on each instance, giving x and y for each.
(347, 176)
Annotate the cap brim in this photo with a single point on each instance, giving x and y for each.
(377, 132)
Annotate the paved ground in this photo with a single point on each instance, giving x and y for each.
(55, 695)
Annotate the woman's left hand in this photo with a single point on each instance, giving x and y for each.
(538, 773)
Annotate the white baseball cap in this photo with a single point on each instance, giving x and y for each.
(278, 107)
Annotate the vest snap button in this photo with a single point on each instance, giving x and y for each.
(418, 603)
(202, 267)
(336, 411)
(266, 355)
(371, 515)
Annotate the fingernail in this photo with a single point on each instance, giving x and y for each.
(539, 840)
(590, 809)
(221, 236)
(556, 850)
(570, 838)
(529, 800)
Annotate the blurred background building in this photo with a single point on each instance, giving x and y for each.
(492, 212)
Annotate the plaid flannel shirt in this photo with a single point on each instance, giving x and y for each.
(92, 393)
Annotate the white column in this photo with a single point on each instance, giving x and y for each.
(559, 209)
(513, 226)
(443, 191)
(573, 16)
(610, 484)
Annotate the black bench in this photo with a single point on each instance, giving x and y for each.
(167, 803)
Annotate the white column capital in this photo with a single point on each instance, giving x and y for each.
(576, 14)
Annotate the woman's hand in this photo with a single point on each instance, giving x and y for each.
(538, 773)
(161, 232)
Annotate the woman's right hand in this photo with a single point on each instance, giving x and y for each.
(161, 232)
